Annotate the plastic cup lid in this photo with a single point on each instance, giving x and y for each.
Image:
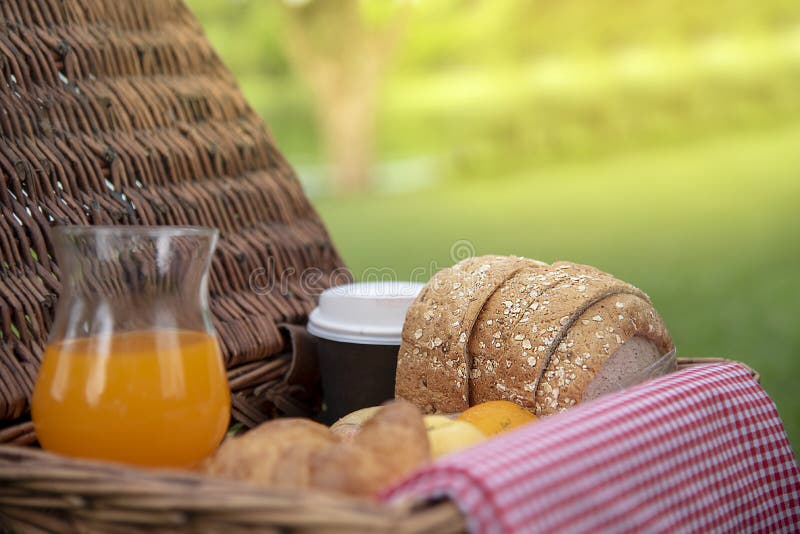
(366, 313)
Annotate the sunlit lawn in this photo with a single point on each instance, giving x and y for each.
(711, 231)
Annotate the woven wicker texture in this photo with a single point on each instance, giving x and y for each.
(42, 491)
(120, 112)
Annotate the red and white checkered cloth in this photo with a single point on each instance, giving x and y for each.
(700, 450)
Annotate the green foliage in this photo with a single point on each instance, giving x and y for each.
(247, 33)
(482, 83)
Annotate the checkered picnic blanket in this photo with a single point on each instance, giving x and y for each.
(700, 450)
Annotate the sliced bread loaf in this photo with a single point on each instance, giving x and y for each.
(543, 336)
(433, 362)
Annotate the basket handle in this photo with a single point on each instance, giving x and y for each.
(304, 369)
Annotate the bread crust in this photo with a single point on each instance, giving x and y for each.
(283, 463)
(387, 447)
(522, 328)
(299, 453)
(433, 358)
(599, 332)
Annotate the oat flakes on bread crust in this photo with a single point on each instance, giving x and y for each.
(594, 340)
(433, 359)
(540, 305)
(493, 335)
(527, 337)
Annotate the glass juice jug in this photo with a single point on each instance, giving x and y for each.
(132, 371)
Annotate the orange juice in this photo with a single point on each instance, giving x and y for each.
(152, 397)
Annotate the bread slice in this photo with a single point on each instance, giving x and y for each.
(433, 359)
(495, 365)
(608, 344)
(540, 304)
(636, 353)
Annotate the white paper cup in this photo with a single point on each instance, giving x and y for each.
(359, 328)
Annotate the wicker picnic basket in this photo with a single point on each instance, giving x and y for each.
(120, 112)
(45, 492)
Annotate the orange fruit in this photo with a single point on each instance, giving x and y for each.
(494, 417)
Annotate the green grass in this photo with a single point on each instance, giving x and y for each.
(710, 230)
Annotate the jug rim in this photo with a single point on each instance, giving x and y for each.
(144, 230)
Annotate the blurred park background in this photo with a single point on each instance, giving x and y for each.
(656, 139)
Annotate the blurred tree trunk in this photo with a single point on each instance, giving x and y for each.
(342, 57)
